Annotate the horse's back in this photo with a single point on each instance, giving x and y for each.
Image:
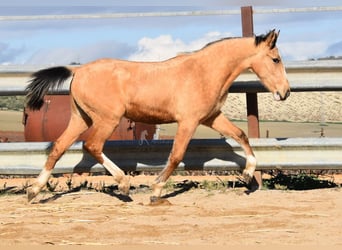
(150, 92)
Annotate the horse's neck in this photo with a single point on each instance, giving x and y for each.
(228, 58)
(233, 53)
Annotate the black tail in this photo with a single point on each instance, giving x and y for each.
(41, 82)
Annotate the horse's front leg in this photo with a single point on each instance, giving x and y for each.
(222, 125)
(184, 133)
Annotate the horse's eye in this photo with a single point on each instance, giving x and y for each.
(276, 60)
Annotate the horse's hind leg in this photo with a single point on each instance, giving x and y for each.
(77, 125)
(94, 145)
(225, 127)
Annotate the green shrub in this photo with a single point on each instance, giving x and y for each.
(12, 102)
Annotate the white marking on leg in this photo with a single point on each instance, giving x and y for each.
(251, 161)
(41, 181)
(112, 168)
(157, 189)
(118, 174)
(43, 177)
(248, 172)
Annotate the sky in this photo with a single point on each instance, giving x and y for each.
(303, 36)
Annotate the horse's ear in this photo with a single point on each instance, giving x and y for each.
(271, 38)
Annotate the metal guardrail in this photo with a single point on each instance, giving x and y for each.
(303, 76)
(202, 154)
(166, 14)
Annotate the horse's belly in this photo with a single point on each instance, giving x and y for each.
(152, 115)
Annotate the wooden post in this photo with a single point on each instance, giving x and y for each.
(251, 98)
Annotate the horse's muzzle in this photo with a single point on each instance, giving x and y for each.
(278, 97)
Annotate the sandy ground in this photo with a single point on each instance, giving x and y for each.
(193, 217)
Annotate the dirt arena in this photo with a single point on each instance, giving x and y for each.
(192, 217)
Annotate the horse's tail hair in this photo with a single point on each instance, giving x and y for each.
(42, 81)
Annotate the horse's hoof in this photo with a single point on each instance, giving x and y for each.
(124, 186)
(157, 201)
(31, 194)
(247, 176)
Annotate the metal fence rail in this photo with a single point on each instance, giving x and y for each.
(202, 154)
(166, 14)
(303, 76)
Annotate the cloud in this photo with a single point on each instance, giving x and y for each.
(147, 49)
(67, 55)
(165, 46)
(293, 51)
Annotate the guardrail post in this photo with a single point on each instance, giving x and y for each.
(251, 98)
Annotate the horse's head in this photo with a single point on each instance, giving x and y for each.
(269, 67)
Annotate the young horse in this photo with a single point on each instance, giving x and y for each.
(188, 89)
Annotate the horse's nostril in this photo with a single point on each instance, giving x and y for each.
(282, 98)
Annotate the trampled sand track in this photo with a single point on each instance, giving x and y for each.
(195, 217)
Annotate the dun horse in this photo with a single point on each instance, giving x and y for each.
(188, 89)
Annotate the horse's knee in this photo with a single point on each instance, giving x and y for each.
(174, 160)
(92, 148)
(242, 137)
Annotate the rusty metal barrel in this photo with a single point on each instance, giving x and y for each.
(51, 120)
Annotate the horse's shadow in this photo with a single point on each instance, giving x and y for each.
(201, 154)
(112, 191)
(123, 198)
(182, 187)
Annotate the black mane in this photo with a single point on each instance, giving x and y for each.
(217, 41)
(261, 38)
(258, 39)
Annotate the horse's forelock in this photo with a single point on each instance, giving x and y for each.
(259, 39)
(262, 38)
